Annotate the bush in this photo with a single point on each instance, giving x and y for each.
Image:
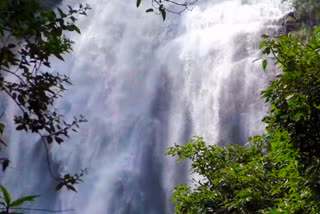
(279, 172)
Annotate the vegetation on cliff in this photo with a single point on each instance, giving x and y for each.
(301, 23)
(30, 36)
(278, 172)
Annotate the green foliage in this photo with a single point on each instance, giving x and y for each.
(278, 172)
(70, 180)
(304, 34)
(162, 7)
(138, 3)
(307, 11)
(263, 178)
(29, 37)
(295, 94)
(6, 205)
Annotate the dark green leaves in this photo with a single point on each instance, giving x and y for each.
(11, 45)
(73, 28)
(262, 44)
(36, 35)
(20, 201)
(2, 127)
(33, 91)
(6, 195)
(149, 10)
(70, 180)
(6, 204)
(163, 12)
(59, 140)
(264, 64)
(62, 14)
(59, 186)
(236, 178)
(161, 7)
(70, 187)
(20, 127)
(277, 172)
(294, 95)
(138, 3)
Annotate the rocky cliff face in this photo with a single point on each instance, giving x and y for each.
(290, 23)
(301, 23)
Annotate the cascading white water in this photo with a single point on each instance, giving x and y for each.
(144, 85)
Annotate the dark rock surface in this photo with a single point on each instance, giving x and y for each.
(289, 23)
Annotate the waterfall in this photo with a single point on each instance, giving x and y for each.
(144, 85)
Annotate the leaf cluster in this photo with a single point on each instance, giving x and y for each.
(70, 180)
(6, 204)
(263, 178)
(295, 94)
(162, 7)
(278, 172)
(30, 36)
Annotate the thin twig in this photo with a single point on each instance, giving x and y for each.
(47, 157)
(18, 104)
(10, 72)
(186, 6)
(43, 210)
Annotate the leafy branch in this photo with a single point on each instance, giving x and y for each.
(7, 205)
(38, 34)
(162, 7)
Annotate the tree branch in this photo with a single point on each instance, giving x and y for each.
(185, 6)
(47, 157)
(14, 74)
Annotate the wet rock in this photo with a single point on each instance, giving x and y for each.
(290, 23)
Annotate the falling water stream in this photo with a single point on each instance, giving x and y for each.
(144, 85)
